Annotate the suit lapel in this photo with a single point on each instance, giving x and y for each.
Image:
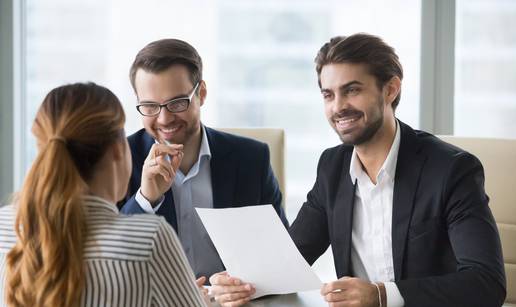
(406, 182)
(168, 209)
(146, 145)
(343, 217)
(223, 169)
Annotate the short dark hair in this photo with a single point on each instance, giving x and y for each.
(362, 48)
(160, 55)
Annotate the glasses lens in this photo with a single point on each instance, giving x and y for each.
(178, 105)
(148, 109)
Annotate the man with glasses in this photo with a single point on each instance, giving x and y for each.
(179, 164)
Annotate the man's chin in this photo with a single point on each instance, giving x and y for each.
(352, 138)
(172, 139)
(358, 137)
(347, 140)
(347, 137)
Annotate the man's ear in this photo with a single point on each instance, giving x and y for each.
(203, 92)
(392, 89)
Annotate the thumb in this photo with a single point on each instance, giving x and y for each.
(200, 281)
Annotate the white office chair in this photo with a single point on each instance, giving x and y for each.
(275, 138)
(498, 156)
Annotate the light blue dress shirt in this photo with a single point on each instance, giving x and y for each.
(190, 191)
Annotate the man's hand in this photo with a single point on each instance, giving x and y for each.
(349, 291)
(230, 291)
(159, 170)
(204, 291)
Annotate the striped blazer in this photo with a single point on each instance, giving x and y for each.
(130, 260)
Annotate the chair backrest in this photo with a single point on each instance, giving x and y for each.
(498, 156)
(273, 137)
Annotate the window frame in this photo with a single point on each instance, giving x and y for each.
(436, 83)
(7, 119)
(436, 110)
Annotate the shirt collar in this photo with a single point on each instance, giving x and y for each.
(204, 151)
(204, 155)
(95, 204)
(389, 165)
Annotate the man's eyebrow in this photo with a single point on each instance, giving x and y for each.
(344, 86)
(166, 100)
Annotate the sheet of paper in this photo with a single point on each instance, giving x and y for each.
(255, 247)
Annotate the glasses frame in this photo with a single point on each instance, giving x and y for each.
(168, 103)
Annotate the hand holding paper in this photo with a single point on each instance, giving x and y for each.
(255, 246)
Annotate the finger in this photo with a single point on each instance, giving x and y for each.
(163, 162)
(214, 277)
(176, 160)
(161, 149)
(334, 286)
(233, 297)
(236, 303)
(336, 296)
(164, 171)
(169, 145)
(225, 280)
(220, 290)
(150, 163)
(169, 153)
(151, 172)
(200, 281)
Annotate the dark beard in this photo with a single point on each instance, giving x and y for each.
(368, 133)
(370, 130)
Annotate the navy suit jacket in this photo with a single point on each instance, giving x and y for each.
(241, 174)
(445, 244)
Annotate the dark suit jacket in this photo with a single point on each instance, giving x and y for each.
(241, 174)
(445, 244)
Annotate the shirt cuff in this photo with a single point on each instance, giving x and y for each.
(145, 204)
(394, 298)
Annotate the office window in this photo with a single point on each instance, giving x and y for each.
(485, 68)
(258, 59)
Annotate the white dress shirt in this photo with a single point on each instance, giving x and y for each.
(191, 191)
(371, 245)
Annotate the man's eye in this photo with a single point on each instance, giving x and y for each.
(149, 106)
(326, 96)
(353, 90)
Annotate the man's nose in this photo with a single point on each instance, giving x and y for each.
(165, 116)
(339, 103)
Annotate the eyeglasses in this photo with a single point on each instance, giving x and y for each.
(176, 105)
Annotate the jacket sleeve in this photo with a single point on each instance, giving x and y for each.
(480, 278)
(309, 231)
(131, 206)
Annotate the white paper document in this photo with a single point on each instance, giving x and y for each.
(255, 247)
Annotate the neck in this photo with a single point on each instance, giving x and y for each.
(103, 184)
(373, 153)
(191, 150)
